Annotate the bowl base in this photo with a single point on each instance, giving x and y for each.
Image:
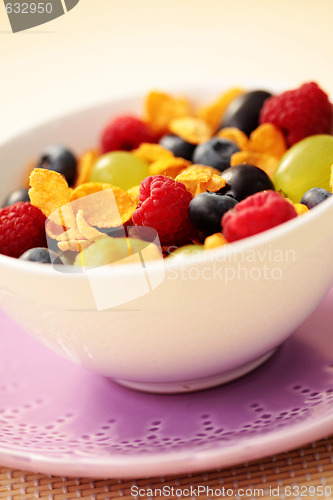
(198, 384)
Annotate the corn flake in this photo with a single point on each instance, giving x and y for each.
(78, 238)
(214, 241)
(72, 240)
(331, 179)
(85, 165)
(266, 162)
(199, 182)
(235, 135)
(300, 208)
(191, 129)
(213, 113)
(134, 192)
(88, 188)
(267, 139)
(85, 229)
(49, 191)
(152, 152)
(161, 108)
(75, 238)
(170, 167)
(109, 206)
(71, 234)
(54, 230)
(205, 169)
(74, 245)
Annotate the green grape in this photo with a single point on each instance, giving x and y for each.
(304, 166)
(119, 168)
(187, 250)
(107, 250)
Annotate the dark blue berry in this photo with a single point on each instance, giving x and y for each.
(215, 153)
(315, 196)
(243, 113)
(178, 146)
(59, 159)
(207, 209)
(41, 255)
(244, 180)
(16, 196)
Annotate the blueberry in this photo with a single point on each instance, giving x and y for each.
(315, 196)
(215, 153)
(244, 180)
(59, 159)
(243, 113)
(178, 146)
(41, 255)
(16, 196)
(206, 211)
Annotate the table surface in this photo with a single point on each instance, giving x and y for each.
(310, 469)
(104, 48)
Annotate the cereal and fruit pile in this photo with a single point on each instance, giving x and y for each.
(201, 178)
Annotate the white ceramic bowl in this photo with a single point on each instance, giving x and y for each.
(203, 321)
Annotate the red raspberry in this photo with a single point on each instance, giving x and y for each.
(299, 113)
(164, 207)
(22, 226)
(257, 213)
(125, 133)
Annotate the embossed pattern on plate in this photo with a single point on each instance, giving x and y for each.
(59, 418)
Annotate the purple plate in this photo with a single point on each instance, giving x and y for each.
(58, 418)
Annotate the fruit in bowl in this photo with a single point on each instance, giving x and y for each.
(182, 228)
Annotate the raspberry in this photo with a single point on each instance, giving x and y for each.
(22, 226)
(125, 133)
(255, 214)
(163, 205)
(299, 113)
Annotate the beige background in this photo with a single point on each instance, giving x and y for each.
(104, 48)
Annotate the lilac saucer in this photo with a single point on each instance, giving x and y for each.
(58, 418)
